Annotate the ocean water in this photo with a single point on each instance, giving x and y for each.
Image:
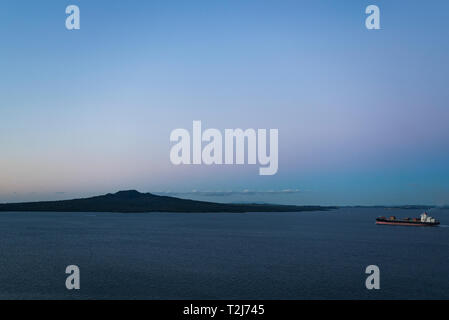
(305, 255)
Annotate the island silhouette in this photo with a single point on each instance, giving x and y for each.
(134, 201)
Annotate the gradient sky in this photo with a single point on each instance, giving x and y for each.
(362, 114)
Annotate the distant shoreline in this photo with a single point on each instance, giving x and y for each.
(132, 201)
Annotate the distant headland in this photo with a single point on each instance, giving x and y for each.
(134, 201)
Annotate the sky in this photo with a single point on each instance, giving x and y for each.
(362, 114)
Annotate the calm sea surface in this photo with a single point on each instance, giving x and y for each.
(306, 255)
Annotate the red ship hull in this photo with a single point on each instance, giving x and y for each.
(401, 223)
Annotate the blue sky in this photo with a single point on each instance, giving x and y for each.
(362, 114)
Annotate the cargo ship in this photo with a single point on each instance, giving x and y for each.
(423, 220)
